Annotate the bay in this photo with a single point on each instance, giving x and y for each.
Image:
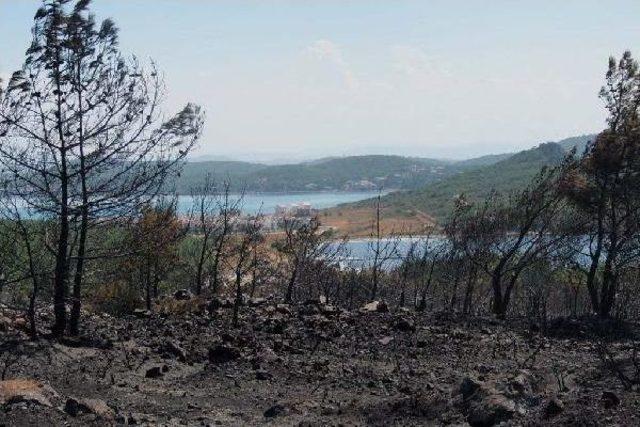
(265, 203)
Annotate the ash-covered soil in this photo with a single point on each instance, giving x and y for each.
(310, 364)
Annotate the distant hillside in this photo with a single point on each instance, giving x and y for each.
(193, 173)
(358, 173)
(329, 174)
(350, 173)
(511, 173)
(487, 160)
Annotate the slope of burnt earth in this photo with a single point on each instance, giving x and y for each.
(309, 364)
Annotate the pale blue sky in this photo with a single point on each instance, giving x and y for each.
(308, 78)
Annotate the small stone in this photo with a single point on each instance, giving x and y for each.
(176, 350)
(405, 325)
(385, 340)
(274, 411)
(521, 383)
(554, 407)
(263, 375)
(491, 410)
(141, 313)
(182, 295)
(375, 306)
(283, 309)
(610, 399)
(72, 407)
(75, 407)
(5, 323)
(256, 302)
(21, 323)
(329, 310)
(223, 354)
(469, 387)
(154, 372)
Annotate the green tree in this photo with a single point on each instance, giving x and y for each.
(604, 185)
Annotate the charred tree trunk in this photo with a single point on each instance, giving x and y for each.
(238, 301)
(292, 282)
(74, 319)
(499, 305)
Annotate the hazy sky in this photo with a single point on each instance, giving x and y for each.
(308, 78)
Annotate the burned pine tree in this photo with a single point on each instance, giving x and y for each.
(203, 215)
(383, 249)
(248, 237)
(503, 236)
(213, 212)
(83, 137)
(153, 240)
(604, 186)
(301, 246)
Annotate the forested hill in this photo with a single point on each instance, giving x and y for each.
(358, 173)
(194, 173)
(338, 174)
(512, 172)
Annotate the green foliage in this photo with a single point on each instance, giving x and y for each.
(325, 174)
(512, 173)
(193, 173)
(344, 173)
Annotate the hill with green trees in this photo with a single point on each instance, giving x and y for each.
(359, 173)
(193, 173)
(509, 173)
(354, 173)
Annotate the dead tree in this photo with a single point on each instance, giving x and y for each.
(430, 256)
(27, 243)
(83, 136)
(212, 210)
(382, 249)
(406, 270)
(228, 207)
(303, 243)
(248, 237)
(505, 235)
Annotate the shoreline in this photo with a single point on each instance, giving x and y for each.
(296, 192)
